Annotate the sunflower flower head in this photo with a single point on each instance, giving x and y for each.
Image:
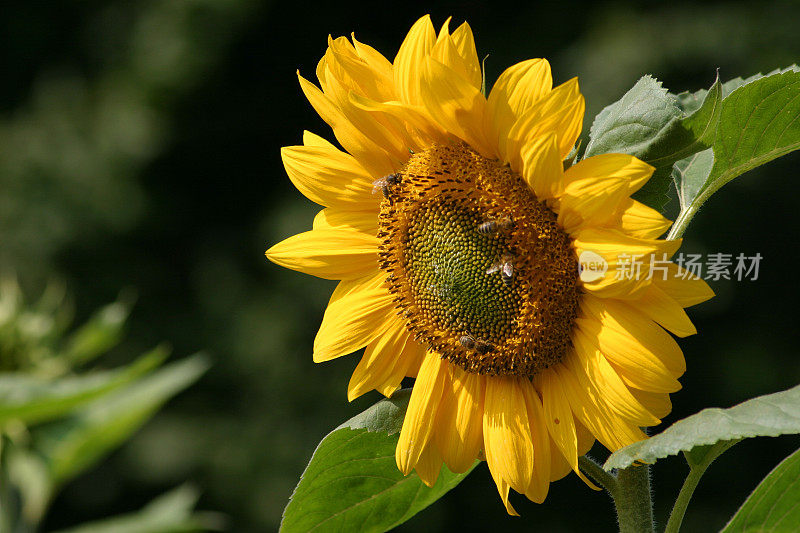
(457, 231)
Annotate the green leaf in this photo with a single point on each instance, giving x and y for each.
(658, 128)
(170, 513)
(689, 174)
(773, 505)
(352, 481)
(74, 444)
(99, 334)
(758, 122)
(630, 124)
(33, 399)
(770, 415)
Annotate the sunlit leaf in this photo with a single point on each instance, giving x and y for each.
(758, 123)
(170, 513)
(658, 128)
(33, 399)
(773, 506)
(689, 175)
(770, 415)
(77, 442)
(352, 482)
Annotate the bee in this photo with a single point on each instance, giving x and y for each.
(383, 184)
(469, 342)
(505, 265)
(483, 347)
(495, 225)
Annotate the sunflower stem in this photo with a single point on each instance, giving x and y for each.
(593, 469)
(633, 500)
(630, 490)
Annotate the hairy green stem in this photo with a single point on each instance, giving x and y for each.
(630, 490)
(634, 500)
(595, 471)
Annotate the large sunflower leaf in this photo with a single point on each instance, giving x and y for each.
(758, 122)
(773, 505)
(657, 127)
(352, 481)
(765, 416)
(690, 101)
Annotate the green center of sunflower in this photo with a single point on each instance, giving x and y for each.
(481, 270)
(447, 263)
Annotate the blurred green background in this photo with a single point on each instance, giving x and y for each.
(139, 149)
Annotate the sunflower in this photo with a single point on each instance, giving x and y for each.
(457, 224)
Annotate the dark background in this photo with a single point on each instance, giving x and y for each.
(139, 148)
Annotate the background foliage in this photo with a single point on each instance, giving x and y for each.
(139, 149)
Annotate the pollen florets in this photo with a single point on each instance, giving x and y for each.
(481, 270)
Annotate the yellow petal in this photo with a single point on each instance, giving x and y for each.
(375, 60)
(503, 488)
(410, 59)
(686, 288)
(597, 185)
(412, 125)
(558, 418)
(371, 156)
(539, 483)
(332, 218)
(328, 253)
(378, 362)
(355, 74)
(459, 433)
(358, 312)
(558, 464)
(542, 168)
(447, 53)
(638, 220)
(429, 465)
(418, 424)
(629, 260)
(664, 310)
(312, 139)
(638, 367)
(627, 168)
(647, 359)
(611, 431)
(507, 438)
(465, 44)
(516, 90)
(412, 358)
(594, 371)
(455, 104)
(560, 111)
(380, 130)
(585, 438)
(329, 176)
(617, 314)
(657, 403)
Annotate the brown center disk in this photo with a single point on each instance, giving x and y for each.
(481, 270)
